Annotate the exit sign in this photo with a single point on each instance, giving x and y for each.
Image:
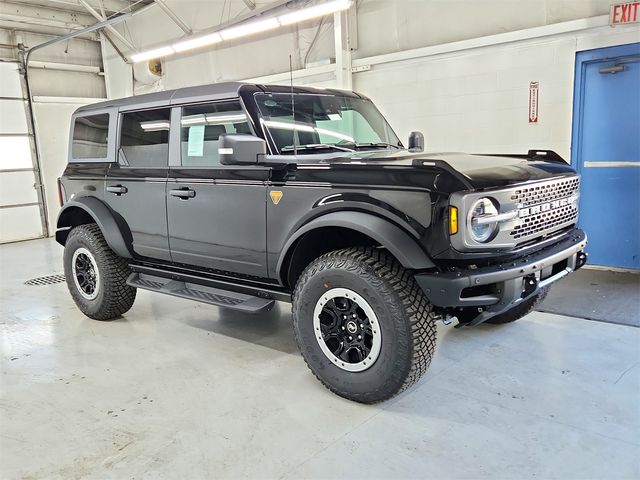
(624, 13)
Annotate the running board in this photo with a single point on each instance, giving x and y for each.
(201, 293)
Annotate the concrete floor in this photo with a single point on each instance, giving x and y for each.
(605, 296)
(183, 390)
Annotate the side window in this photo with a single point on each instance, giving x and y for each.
(144, 138)
(201, 127)
(90, 135)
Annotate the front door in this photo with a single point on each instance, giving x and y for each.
(136, 185)
(606, 152)
(216, 213)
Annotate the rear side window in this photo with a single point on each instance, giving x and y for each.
(90, 135)
(201, 127)
(144, 138)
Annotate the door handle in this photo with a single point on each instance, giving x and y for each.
(117, 189)
(183, 193)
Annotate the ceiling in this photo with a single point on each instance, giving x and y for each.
(58, 17)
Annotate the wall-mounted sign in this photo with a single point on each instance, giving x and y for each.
(624, 13)
(533, 101)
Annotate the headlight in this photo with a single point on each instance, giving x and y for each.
(482, 225)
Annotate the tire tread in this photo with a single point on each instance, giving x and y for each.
(418, 311)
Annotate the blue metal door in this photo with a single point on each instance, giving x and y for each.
(606, 152)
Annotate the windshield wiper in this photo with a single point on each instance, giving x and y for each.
(315, 146)
(371, 145)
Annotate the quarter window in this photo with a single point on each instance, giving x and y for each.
(90, 135)
(201, 127)
(144, 138)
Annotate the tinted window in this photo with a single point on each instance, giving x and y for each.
(144, 139)
(201, 127)
(90, 136)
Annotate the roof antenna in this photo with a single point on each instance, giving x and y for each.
(293, 108)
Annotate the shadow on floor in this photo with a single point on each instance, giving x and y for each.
(612, 297)
(273, 329)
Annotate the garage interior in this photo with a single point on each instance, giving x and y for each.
(182, 389)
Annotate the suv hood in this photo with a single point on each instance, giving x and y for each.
(476, 171)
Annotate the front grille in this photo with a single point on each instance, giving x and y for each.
(545, 221)
(546, 207)
(546, 192)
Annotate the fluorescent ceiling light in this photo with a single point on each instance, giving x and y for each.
(314, 12)
(154, 126)
(249, 28)
(197, 42)
(298, 127)
(193, 120)
(244, 29)
(151, 54)
(289, 126)
(229, 118)
(213, 119)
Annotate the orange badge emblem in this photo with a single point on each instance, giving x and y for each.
(276, 196)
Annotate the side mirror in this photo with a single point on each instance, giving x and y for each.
(416, 142)
(241, 149)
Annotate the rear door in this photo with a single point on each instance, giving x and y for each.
(216, 213)
(136, 185)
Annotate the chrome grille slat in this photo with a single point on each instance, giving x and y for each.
(546, 192)
(548, 218)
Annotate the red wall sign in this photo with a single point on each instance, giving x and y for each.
(623, 13)
(533, 101)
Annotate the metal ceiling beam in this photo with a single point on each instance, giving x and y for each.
(63, 38)
(110, 28)
(42, 16)
(172, 15)
(110, 6)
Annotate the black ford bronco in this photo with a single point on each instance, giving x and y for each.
(240, 195)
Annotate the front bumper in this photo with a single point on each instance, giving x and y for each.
(498, 288)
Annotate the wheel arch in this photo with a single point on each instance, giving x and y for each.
(346, 229)
(86, 210)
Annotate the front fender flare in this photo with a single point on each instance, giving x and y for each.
(399, 243)
(101, 215)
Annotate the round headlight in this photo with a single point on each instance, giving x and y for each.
(482, 229)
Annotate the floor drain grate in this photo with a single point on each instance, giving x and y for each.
(48, 280)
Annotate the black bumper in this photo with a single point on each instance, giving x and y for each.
(497, 288)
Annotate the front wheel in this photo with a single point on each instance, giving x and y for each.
(96, 276)
(363, 325)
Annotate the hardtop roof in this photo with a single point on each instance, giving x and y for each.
(200, 93)
(213, 91)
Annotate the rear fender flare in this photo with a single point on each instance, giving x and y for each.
(102, 216)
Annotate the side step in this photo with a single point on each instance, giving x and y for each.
(201, 293)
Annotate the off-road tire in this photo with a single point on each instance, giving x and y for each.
(404, 315)
(114, 296)
(524, 308)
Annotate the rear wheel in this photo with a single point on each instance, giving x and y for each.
(96, 277)
(523, 308)
(363, 325)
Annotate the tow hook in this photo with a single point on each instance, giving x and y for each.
(448, 319)
(581, 259)
(529, 285)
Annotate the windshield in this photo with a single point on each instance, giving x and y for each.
(324, 122)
